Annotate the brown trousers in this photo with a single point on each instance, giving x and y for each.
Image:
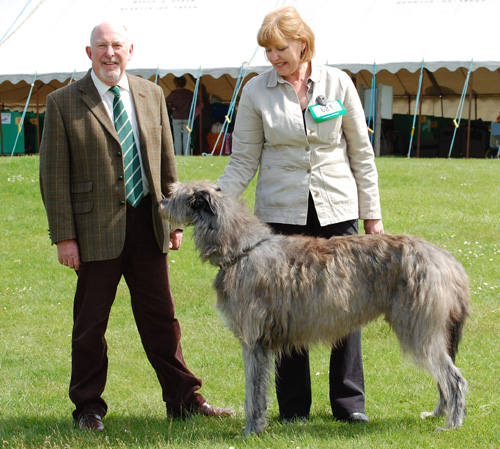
(145, 269)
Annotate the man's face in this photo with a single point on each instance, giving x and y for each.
(109, 52)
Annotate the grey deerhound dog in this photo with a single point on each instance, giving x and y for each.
(280, 293)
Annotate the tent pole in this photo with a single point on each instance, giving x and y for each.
(190, 125)
(200, 116)
(458, 116)
(378, 120)
(21, 122)
(417, 98)
(419, 128)
(38, 118)
(1, 129)
(470, 109)
(372, 108)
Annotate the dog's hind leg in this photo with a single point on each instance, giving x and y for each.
(452, 389)
(257, 361)
(457, 387)
(440, 409)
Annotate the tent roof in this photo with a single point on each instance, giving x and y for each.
(218, 37)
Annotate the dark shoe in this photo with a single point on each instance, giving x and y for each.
(91, 421)
(207, 409)
(355, 417)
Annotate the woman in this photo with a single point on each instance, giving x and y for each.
(317, 177)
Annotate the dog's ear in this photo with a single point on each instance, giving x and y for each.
(201, 201)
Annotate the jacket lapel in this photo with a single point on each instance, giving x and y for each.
(91, 97)
(142, 114)
(139, 97)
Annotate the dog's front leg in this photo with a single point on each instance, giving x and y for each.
(257, 361)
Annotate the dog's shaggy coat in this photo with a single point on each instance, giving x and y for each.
(282, 292)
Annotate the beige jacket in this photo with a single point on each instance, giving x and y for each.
(333, 160)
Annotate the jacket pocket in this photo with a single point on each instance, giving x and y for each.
(276, 187)
(82, 204)
(329, 131)
(82, 187)
(82, 207)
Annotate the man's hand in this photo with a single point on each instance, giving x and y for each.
(69, 254)
(175, 239)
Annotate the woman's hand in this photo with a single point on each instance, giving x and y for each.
(374, 227)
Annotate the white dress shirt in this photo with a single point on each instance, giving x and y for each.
(108, 98)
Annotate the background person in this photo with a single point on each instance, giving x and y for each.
(103, 234)
(202, 122)
(315, 178)
(179, 103)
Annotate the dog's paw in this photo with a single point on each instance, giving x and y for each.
(425, 415)
(254, 428)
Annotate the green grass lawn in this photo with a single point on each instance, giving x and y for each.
(452, 203)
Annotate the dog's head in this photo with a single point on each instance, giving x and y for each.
(188, 202)
(223, 228)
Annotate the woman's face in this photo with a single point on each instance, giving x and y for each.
(285, 57)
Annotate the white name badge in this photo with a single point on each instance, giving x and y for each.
(331, 110)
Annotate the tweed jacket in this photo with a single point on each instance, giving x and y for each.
(294, 156)
(81, 166)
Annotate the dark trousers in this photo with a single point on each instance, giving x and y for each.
(145, 269)
(293, 378)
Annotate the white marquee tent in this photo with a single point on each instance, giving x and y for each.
(217, 39)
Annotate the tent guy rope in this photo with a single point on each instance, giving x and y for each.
(417, 100)
(20, 125)
(460, 108)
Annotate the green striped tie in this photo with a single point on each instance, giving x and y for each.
(131, 163)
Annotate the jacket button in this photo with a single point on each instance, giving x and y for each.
(122, 203)
(119, 153)
(120, 178)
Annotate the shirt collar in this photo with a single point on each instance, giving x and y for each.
(274, 79)
(315, 72)
(102, 88)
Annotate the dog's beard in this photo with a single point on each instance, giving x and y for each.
(164, 212)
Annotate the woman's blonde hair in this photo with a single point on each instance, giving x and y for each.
(285, 24)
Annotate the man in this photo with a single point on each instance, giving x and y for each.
(106, 224)
(179, 102)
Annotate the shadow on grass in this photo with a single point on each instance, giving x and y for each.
(196, 431)
(322, 422)
(120, 431)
